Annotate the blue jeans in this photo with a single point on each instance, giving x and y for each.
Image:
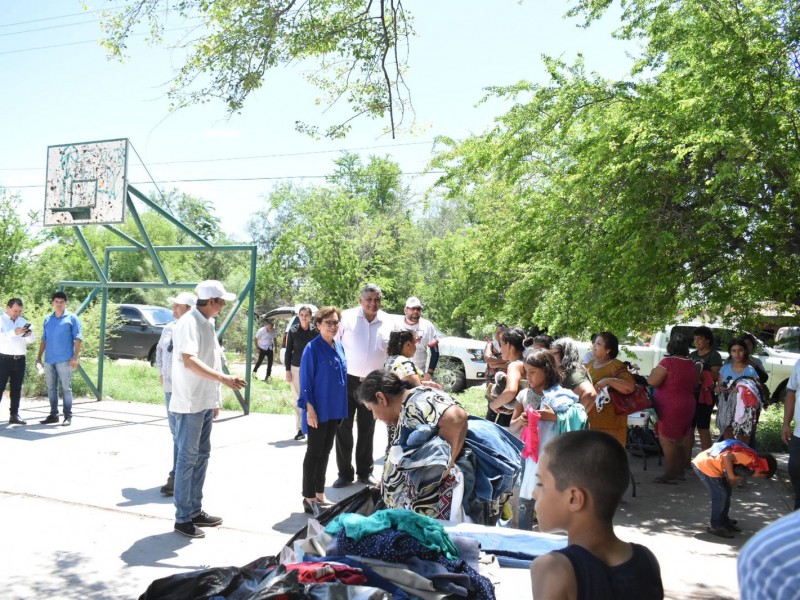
(53, 374)
(171, 421)
(193, 437)
(720, 497)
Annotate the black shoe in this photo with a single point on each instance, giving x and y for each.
(722, 532)
(342, 482)
(312, 508)
(50, 419)
(206, 520)
(368, 480)
(67, 422)
(732, 526)
(189, 530)
(300, 435)
(15, 420)
(168, 489)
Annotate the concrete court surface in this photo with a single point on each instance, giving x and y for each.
(84, 518)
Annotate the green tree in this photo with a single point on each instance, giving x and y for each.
(17, 242)
(323, 243)
(359, 47)
(675, 189)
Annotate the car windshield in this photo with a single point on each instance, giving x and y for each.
(158, 315)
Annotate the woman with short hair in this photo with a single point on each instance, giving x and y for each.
(323, 398)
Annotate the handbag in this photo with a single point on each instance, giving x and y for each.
(625, 404)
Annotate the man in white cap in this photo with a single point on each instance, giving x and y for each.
(195, 402)
(425, 336)
(181, 304)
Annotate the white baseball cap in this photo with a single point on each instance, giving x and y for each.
(211, 288)
(184, 298)
(413, 302)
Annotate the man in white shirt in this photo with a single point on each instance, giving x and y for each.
(195, 402)
(425, 336)
(790, 435)
(265, 340)
(363, 333)
(15, 335)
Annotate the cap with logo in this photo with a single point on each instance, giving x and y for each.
(413, 302)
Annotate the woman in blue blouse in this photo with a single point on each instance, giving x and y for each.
(323, 398)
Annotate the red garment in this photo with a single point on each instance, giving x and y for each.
(324, 572)
(530, 435)
(707, 388)
(674, 398)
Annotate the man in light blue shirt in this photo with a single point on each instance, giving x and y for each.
(62, 339)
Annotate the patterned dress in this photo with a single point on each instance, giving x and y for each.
(413, 473)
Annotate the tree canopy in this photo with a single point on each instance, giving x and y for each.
(358, 48)
(616, 204)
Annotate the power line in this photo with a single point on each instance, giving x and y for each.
(257, 156)
(47, 28)
(214, 179)
(85, 12)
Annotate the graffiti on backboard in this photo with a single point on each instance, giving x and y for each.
(86, 183)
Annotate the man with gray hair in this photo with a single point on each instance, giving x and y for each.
(362, 333)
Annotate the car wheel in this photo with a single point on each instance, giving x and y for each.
(450, 375)
(152, 356)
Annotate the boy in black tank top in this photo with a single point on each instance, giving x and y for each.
(581, 479)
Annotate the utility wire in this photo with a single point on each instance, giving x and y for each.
(85, 12)
(234, 158)
(213, 179)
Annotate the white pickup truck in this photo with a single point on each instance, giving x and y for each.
(777, 363)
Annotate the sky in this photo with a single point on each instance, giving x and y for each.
(59, 87)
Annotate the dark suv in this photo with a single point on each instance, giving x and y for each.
(139, 331)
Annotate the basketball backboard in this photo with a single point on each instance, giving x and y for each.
(86, 183)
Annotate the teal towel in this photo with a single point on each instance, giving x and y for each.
(427, 531)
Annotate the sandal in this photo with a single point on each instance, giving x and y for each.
(666, 481)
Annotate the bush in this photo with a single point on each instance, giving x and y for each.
(768, 433)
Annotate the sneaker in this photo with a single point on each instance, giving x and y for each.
(67, 422)
(342, 482)
(15, 420)
(168, 489)
(189, 530)
(732, 526)
(50, 419)
(206, 520)
(300, 436)
(368, 480)
(722, 532)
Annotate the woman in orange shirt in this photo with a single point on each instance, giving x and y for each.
(606, 371)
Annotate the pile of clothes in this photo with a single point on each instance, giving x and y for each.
(389, 554)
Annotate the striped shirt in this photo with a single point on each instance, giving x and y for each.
(769, 564)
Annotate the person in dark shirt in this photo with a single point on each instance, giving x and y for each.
(581, 479)
(297, 337)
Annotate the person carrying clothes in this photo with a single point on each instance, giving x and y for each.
(512, 346)
(181, 304)
(363, 333)
(15, 335)
(297, 338)
(608, 372)
(495, 363)
(197, 380)
(575, 377)
(323, 399)
(61, 346)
